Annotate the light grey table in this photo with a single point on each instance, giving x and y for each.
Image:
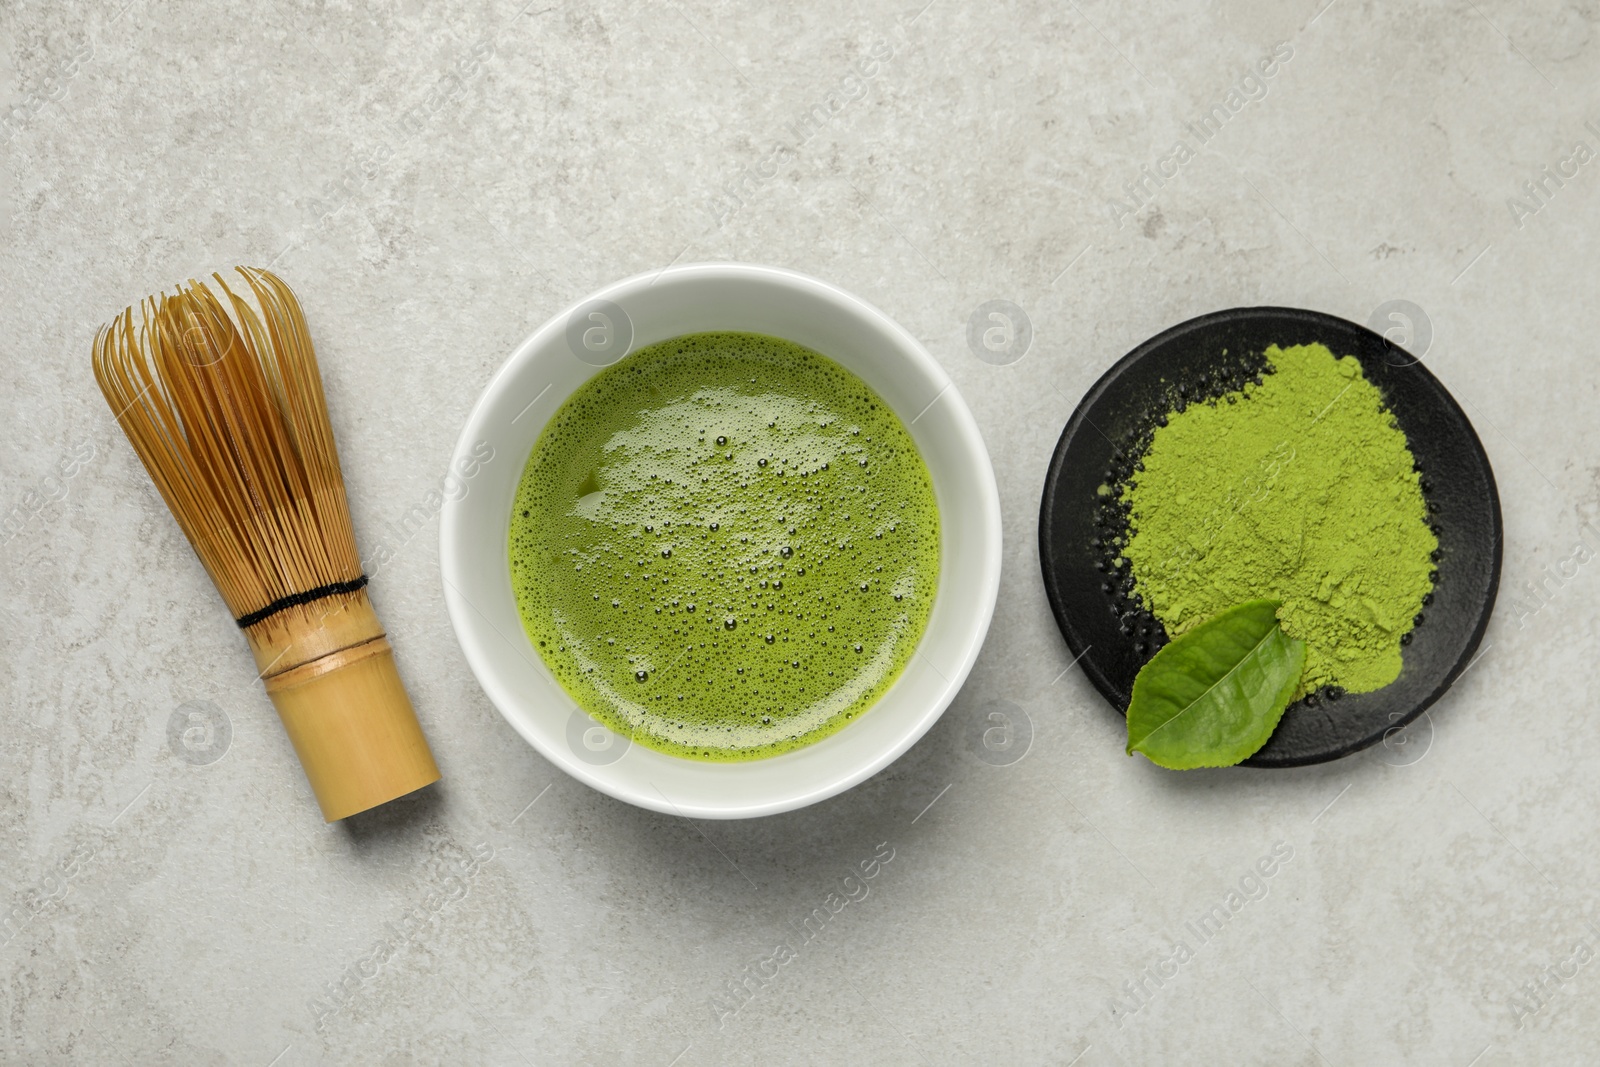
(437, 179)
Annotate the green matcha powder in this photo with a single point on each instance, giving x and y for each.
(1298, 489)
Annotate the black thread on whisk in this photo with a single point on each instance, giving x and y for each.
(296, 599)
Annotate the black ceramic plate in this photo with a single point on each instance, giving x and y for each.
(1205, 356)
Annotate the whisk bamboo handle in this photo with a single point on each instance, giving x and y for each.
(330, 673)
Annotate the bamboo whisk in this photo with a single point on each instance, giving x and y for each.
(225, 408)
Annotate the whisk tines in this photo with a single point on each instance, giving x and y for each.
(224, 405)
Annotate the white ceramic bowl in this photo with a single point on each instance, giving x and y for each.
(539, 377)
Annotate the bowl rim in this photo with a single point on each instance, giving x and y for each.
(454, 540)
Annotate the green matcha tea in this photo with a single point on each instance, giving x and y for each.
(725, 546)
(1299, 488)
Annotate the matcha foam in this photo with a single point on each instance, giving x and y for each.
(725, 546)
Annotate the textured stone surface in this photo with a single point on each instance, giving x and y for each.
(436, 180)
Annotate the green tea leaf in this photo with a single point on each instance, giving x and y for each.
(1214, 695)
